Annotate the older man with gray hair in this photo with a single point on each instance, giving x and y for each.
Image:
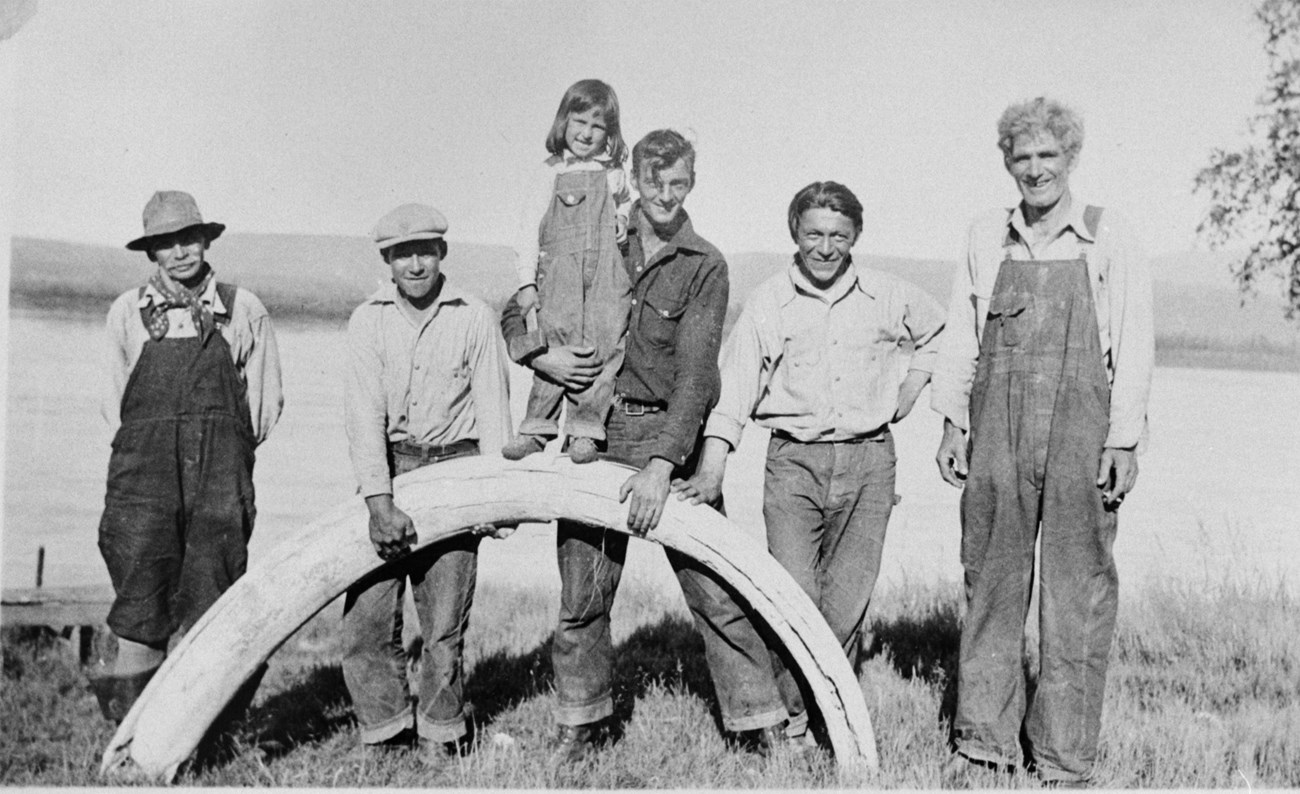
(1043, 376)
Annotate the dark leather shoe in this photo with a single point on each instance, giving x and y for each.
(117, 693)
(574, 743)
(765, 741)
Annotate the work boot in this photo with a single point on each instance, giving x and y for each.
(117, 693)
(575, 742)
(765, 742)
(582, 450)
(521, 446)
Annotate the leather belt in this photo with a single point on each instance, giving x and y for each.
(434, 452)
(874, 435)
(634, 408)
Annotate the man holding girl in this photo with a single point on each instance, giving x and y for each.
(662, 393)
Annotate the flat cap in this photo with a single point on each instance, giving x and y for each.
(409, 222)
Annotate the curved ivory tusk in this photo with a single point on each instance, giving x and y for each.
(310, 568)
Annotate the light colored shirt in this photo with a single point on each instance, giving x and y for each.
(249, 335)
(824, 365)
(1121, 292)
(538, 193)
(440, 381)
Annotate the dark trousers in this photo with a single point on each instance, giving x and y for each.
(374, 661)
(827, 507)
(591, 565)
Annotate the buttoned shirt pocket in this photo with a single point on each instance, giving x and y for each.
(660, 315)
(802, 382)
(1008, 315)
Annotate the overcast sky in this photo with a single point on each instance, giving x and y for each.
(320, 116)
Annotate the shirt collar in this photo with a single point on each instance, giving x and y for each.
(685, 236)
(852, 278)
(210, 296)
(387, 293)
(1073, 221)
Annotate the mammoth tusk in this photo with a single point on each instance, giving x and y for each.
(311, 567)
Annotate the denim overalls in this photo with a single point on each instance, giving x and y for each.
(1039, 415)
(584, 295)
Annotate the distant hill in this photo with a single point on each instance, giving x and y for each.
(1196, 306)
(293, 274)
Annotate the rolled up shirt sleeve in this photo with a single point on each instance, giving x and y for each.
(923, 318)
(742, 373)
(365, 404)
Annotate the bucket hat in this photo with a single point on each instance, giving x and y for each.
(170, 211)
(409, 222)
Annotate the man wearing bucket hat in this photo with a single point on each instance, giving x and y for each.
(426, 381)
(193, 388)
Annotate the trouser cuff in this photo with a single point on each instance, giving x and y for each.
(378, 732)
(754, 722)
(797, 726)
(581, 715)
(983, 755)
(440, 730)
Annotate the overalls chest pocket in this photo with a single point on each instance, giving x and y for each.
(1008, 315)
(660, 316)
(570, 198)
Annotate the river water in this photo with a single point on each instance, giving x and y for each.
(1218, 497)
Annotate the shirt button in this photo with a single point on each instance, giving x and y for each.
(638, 268)
(634, 301)
(664, 312)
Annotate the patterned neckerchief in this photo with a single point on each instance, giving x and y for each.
(179, 297)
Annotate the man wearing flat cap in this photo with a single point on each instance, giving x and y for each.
(426, 381)
(193, 388)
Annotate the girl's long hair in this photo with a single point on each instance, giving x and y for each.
(582, 96)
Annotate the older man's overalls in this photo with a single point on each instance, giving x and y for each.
(584, 295)
(1039, 415)
(179, 508)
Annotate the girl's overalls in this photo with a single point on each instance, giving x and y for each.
(179, 509)
(584, 297)
(1040, 409)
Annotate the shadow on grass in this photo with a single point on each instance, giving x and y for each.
(922, 644)
(317, 705)
(668, 652)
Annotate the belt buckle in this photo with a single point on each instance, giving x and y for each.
(633, 409)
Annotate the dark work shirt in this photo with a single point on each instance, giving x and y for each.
(679, 302)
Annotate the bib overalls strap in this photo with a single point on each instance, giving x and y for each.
(179, 506)
(1039, 415)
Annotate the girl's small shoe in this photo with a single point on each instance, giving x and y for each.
(522, 446)
(582, 450)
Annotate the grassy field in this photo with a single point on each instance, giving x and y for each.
(1204, 692)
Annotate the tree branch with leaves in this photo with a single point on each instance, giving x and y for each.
(1255, 190)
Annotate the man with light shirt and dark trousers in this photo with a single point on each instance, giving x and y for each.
(667, 384)
(193, 389)
(827, 354)
(426, 381)
(1042, 379)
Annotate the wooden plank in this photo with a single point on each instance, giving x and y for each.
(55, 606)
